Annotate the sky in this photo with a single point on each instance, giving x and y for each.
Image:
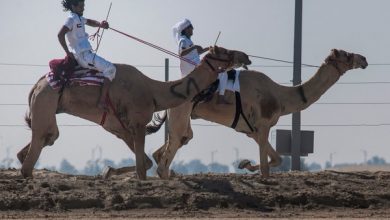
(28, 35)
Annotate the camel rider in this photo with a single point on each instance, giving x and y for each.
(182, 32)
(79, 46)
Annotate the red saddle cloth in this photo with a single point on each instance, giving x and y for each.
(67, 72)
(60, 66)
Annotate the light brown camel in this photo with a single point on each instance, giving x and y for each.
(263, 102)
(135, 97)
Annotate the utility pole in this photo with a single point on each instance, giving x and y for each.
(296, 117)
(331, 158)
(365, 156)
(166, 80)
(212, 155)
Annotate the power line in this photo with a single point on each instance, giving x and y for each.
(282, 83)
(216, 125)
(347, 83)
(160, 66)
(47, 65)
(313, 125)
(319, 103)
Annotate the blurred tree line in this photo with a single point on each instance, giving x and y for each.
(96, 165)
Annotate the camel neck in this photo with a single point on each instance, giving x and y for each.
(175, 93)
(313, 89)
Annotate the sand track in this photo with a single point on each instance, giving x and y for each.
(295, 194)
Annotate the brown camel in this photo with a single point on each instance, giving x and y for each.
(135, 97)
(263, 102)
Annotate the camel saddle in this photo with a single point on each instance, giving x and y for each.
(207, 94)
(66, 72)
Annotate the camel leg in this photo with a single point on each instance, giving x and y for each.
(262, 140)
(276, 160)
(157, 155)
(130, 143)
(180, 133)
(139, 144)
(176, 140)
(39, 140)
(23, 153)
(111, 171)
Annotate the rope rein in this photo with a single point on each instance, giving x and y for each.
(155, 47)
(283, 61)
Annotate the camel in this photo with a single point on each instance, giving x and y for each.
(134, 96)
(263, 102)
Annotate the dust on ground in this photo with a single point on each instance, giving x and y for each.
(322, 194)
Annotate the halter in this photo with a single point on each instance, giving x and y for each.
(335, 63)
(219, 69)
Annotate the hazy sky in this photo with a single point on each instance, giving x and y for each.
(28, 35)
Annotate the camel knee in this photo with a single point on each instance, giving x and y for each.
(184, 140)
(50, 138)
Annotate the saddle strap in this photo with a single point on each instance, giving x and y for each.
(110, 105)
(239, 112)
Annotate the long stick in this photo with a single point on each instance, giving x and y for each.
(217, 38)
(108, 14)
(101, 37)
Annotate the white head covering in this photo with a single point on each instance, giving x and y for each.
(179, 27)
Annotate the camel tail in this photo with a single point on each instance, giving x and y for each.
(156, 123)
(27, 117)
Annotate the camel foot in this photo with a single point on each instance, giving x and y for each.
(264, 171)
(26, 174)
(172, 173)
(265, 176)
(275, 163)
(162, 173)
(107, 172)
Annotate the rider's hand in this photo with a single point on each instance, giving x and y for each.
(199, 48)
(71, 55)
(104, 24)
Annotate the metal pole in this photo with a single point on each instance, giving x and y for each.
(166, 80)
(296, 117)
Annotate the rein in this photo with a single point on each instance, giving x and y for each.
(155, 47)
(208, 56)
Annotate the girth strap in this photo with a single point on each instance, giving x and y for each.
(110, 105)
(302, 93)
(239, 112)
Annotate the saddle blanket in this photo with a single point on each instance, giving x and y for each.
(233, 85)
(65, 72)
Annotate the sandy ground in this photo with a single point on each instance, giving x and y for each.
(326, 194)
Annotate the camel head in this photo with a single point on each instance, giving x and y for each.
(344, 61)
(221, 59)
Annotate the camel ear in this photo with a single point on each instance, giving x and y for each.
(335, 53)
